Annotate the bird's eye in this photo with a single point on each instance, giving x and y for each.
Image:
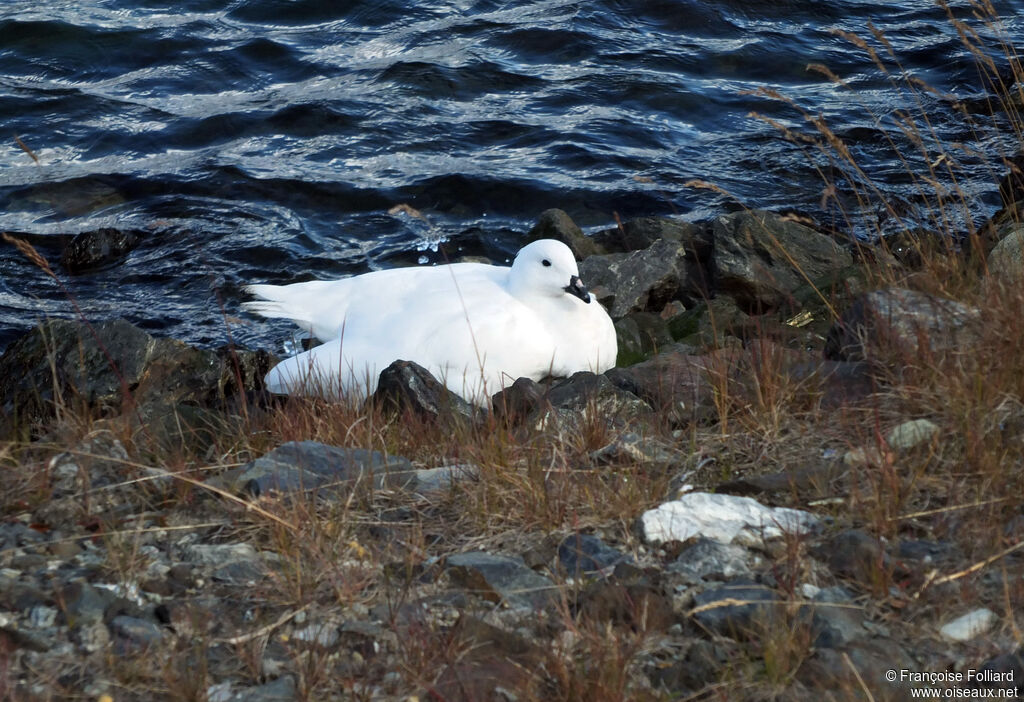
(545, 263)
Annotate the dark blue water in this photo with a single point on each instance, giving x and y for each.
(267, 140)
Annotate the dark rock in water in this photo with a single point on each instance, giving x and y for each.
(737, 609)
(640, 233)
(109, 366)
(300, 466)
(905, 324)
(409, 386)
(639, 280)
(90, 251)
(585, 554)
(556, 224)
(760, 258)
(501, 578)
(673, 382)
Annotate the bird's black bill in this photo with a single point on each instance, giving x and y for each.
(577, 288)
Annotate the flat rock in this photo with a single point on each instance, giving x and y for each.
(969, 626)
(501, 579)
(586, 554)
(723, 518)
(299, 466)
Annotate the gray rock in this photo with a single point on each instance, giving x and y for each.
(282, 689)
(556, 224)
(84, 604)
(639, 280)
(586, 554)
(760, 258)
(97, 249)
(639, 335)
(835, 620)
(712, 560)
(408, 386)
(501, 578)
(299, 466)
(709, 323)
(567, 400)
(911, 433)
(1006, 260)
(444, 477)
(832, 670)
(672, 382)
(136, 633)
(634, 448)
(323, 634)
(737, 609)
(640, 233)
(854, 554)
(894, 323)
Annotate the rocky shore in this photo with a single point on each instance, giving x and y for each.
(167, 535)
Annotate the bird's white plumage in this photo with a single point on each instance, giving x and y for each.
(476, 327)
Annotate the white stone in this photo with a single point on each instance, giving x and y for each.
(910, 434)
(969, 626)
(723, 518)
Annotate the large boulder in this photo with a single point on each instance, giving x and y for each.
(761, 257)
(556, 224)
(640, 280)
(902, 324)
(640, 233)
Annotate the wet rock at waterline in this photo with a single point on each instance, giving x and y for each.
(113, 365)
(760, 258)
(98, 249)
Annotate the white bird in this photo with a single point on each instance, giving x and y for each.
(475, 327)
